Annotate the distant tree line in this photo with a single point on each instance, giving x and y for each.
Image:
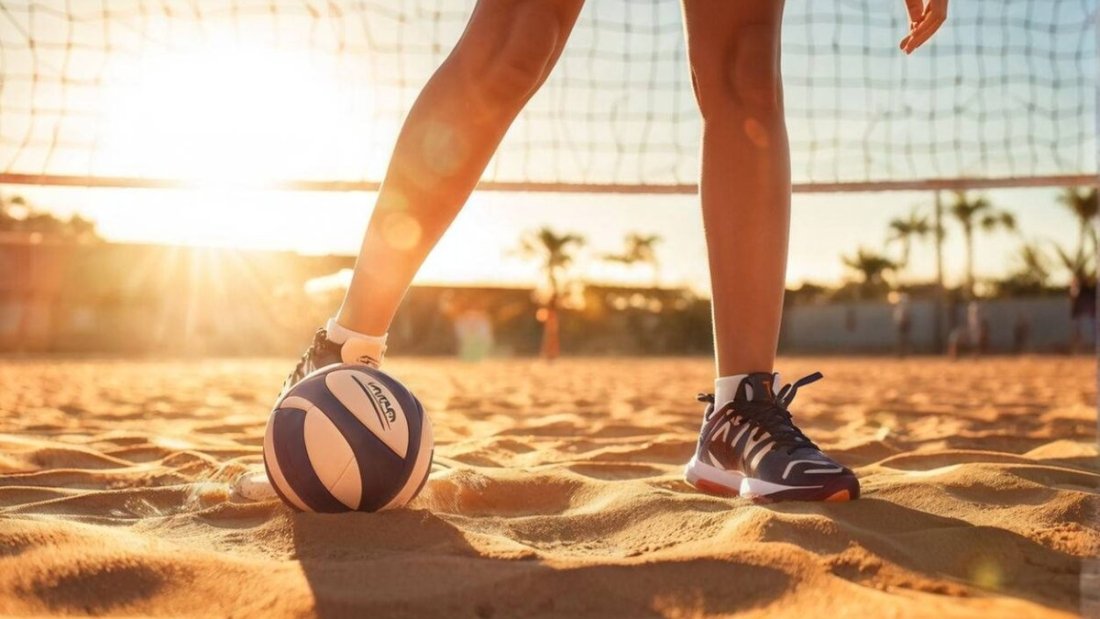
(1033, 266)
(18, 218)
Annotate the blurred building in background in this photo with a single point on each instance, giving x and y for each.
(147, 299)
(128, 298)
(1023, 325)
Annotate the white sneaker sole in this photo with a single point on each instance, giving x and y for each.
(734, 483)
(713, 479)
(254, 487)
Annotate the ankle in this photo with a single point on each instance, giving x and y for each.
(339, 334)
(356, 347)
(726, 387)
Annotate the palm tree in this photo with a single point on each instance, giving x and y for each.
(977, 212)
(8, 221)
(82, 230)
(18, 215)
(640, 248)
(1078, 263)
(555, 253)
(1032, 269)
(904, 230)
(1083, 203)
(872, 267)
(1033, 263)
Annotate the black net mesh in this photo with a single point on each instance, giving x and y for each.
(311, 90)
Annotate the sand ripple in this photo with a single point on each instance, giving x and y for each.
(556, 492)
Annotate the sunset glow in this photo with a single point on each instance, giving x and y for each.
(226, 114)
(230, 102)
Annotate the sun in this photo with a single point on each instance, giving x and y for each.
(229, 113)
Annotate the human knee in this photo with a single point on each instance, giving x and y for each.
(524, 57)
(744, 76)
(755, 69)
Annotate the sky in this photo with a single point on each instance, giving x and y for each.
(253, 91)
(257, 90)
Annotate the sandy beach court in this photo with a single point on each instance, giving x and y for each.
(557, 491)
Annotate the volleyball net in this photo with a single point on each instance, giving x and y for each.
(310, 94)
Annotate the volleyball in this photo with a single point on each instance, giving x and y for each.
(348, 438)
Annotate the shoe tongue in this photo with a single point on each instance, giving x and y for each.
(757, 387)
(357, 350)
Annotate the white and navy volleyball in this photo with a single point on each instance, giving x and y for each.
(348, 437)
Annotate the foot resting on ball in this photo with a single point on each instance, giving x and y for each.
(331, 345)
(749, 446)
(335, 344)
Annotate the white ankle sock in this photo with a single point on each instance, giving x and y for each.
(725, 387)
(338, 334)
(355, 345)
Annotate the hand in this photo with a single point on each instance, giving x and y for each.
(924, 21)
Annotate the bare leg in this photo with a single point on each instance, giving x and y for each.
(505, 54)
(745, 187)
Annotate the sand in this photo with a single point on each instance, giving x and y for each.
(557, 492)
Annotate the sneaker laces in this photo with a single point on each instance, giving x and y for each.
(320, 339)
(771, 415)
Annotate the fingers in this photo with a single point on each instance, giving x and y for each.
(924, 31)
(930, 21)
(915, 9)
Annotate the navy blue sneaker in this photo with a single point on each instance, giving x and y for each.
(751, 447)
(324, 352)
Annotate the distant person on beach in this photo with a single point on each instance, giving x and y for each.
(474, 333)
(473, 328)
(749, 443)
(902, 323)
(550, 347)
(977, 328)
(955, 342)
(1082, 301)
(1021, 333)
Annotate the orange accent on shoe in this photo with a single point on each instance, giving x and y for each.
(713, 488)
(839, 496)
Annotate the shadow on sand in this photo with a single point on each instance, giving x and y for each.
(413, 563)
